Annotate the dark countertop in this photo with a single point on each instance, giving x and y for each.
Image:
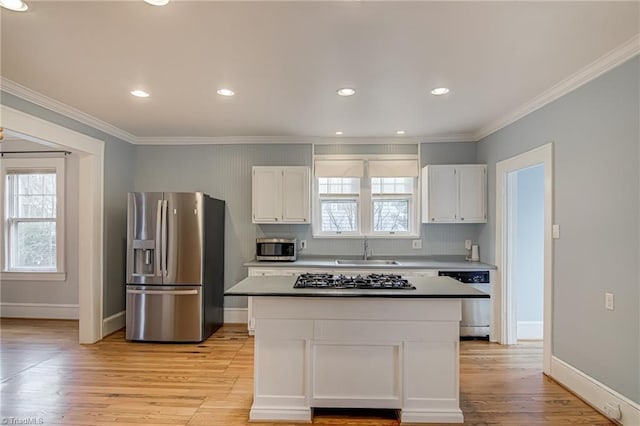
(426, 287)
(440, 262)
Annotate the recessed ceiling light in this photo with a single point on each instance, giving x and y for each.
(225, 92)
(157, 2)
(400, 132)
(140, 93)
(438, 91)
(346, 91)
(16, 5)
(338, 133)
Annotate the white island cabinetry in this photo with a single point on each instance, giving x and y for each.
(356, 348)
(290, 272)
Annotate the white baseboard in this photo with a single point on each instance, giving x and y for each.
(39, 310)
(529, 330)
(593, 392)
(113, 323)
(235, 315)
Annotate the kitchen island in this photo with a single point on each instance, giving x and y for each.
(356, 348)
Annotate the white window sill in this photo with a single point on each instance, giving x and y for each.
(33, 276)
(369, 237)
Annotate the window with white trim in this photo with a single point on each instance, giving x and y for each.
(33, 222)
(366, 197)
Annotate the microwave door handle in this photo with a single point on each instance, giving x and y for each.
(158, 245)
(164, 237)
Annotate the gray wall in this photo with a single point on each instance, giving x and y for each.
(529, 244)
(119, 165)
(224, 171)
(595, 131)
(54, 292)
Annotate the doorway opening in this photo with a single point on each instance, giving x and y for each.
(523, 295)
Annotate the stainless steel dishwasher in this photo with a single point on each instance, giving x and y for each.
(476, 313)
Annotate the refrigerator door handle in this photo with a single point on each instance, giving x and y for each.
(158, 239)
(165, 292)
(164, 237)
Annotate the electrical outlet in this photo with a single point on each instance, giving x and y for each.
(467, 244)
(555, 231)
(416, 244)
(608, 301)
(303, 244)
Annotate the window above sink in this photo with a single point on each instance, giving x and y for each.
(368, 196)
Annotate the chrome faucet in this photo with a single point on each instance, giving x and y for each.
(365, 256)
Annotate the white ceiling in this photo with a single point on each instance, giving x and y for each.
(285, 61)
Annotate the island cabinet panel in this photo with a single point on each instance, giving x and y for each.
(356, 374)
(358, 352)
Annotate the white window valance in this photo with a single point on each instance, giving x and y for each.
(339, 168)
(393, 168)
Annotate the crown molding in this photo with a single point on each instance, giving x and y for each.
(39, 99)
(605, 63)
(222, 140)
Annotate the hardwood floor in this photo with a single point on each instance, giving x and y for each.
(46, 375)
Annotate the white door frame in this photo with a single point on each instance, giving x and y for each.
(504, 300)
(90, 209)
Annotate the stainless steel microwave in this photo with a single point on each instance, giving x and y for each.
(276, 249)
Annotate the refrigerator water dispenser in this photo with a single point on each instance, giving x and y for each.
(144, 257)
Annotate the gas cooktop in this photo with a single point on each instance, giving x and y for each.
(371, 281)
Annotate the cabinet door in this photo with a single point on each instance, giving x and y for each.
(266, 195)
(442, 191)
(472, 193)
(295, 195)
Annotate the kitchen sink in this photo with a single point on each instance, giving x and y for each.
(366, 262)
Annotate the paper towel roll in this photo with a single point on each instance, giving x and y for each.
(475, 255)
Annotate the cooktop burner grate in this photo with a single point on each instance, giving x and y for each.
(371, 281)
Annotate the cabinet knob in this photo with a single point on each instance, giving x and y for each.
(433, 219)
(462, 218)
(275, 218)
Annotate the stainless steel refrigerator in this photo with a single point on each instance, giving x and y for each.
(175, 266)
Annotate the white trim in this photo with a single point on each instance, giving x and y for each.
(605, 63)
(113, 323)
(594, 392)
(282, 414)
(39, 310)
(529, 330)
(91, 212)
(503, 324)
(51, 104)
(235, 315)
(33, 276)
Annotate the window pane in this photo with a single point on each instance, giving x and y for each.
(34, 195)
(339, 215)
(35, 245)
(399, 185)
(339, 185)
(391, 215)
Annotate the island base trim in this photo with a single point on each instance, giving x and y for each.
(431, 416)
(280, 414)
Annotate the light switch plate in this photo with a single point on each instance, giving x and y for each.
(555, 231)
(303, 244)
(416, 244)
(608, 301)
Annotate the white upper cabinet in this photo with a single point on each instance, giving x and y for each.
(454, 193)
(280, 195)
